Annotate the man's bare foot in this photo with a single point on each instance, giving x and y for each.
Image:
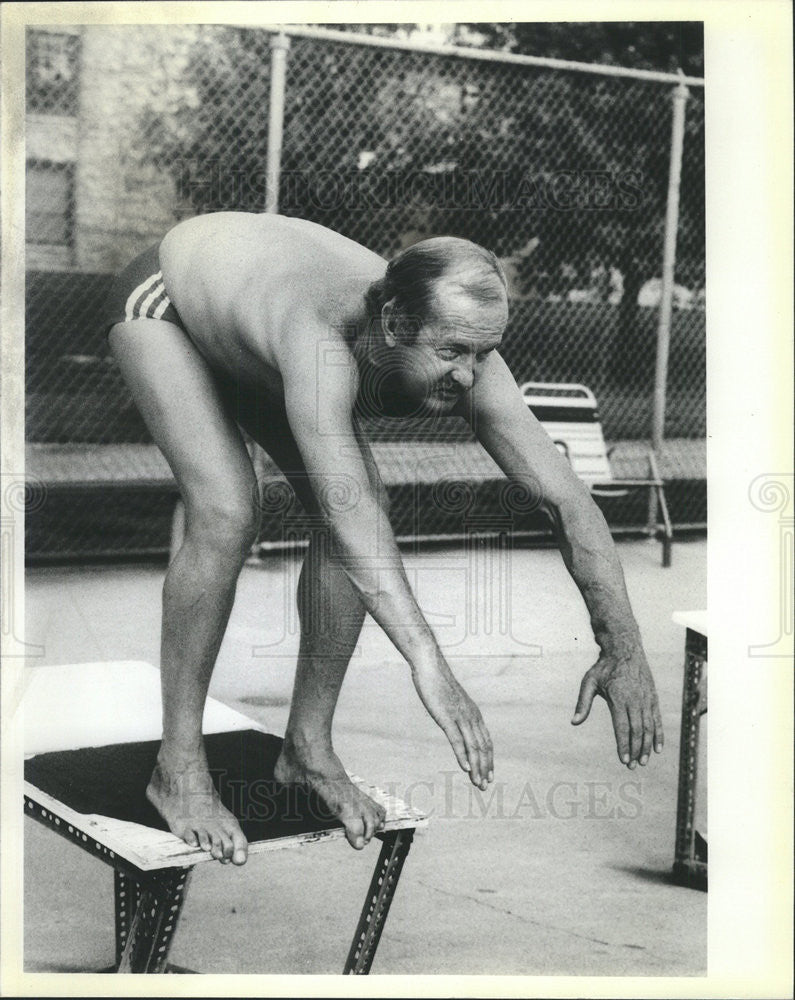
(182, 791)
(317, 766)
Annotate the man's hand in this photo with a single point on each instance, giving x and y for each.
(459, 717)
(626, 684)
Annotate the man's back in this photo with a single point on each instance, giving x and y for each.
(242, 281)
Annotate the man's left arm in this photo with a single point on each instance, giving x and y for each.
(517, 442)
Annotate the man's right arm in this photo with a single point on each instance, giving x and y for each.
(319, 410)
(319, 400)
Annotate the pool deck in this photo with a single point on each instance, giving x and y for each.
(563, 867)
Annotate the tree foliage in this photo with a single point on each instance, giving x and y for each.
(558, 172)
(654, 45)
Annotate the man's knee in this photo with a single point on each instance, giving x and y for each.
(227, 524)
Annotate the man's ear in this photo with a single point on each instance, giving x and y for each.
(389, 318)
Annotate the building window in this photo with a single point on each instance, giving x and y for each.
(49, 203)
(52, 76)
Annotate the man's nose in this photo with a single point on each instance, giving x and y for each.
(464, 374)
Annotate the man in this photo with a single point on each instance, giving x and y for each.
(293, 332)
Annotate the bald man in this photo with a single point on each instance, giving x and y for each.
(294, 333)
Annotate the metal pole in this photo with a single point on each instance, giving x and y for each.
(483, 55)
(680, 96)
(279, 45)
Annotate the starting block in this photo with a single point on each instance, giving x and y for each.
(92, 733)
(690, 851)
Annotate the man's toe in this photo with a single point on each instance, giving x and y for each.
(370, 825)
(190, 838)
(239, 848)
(222, 846)
(355, 831)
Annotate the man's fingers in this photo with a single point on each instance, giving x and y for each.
(659, 738)
(485, 750)
(621, 728)
(633, 704)
(453, 734)
(635, 734)
(648, 733)
(488, 750)
(477, 771)
(585, 700)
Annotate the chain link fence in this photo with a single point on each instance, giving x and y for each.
(563, 174)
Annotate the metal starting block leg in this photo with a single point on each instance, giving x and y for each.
(394, 851)
(147, 912)
(126, 896)
(689, 869)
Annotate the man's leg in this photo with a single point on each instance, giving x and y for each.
(331, 616)
(178, 399)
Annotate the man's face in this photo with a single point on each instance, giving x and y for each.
(444, 362)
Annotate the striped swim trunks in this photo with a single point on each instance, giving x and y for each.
(139, 293)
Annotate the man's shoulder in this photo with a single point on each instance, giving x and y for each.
(313, 345)
(312, 330)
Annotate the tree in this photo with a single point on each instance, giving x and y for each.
(386, 146)
(655, 45)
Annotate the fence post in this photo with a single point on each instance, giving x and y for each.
(279, 45)
(680, 96)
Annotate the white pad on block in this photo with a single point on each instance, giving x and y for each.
(694, 620)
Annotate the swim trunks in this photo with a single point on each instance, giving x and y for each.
(138, 292)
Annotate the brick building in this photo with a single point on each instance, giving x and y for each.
(92, 201)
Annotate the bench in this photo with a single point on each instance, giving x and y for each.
(568, 412)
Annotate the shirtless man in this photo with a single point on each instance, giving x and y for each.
(293, 332)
